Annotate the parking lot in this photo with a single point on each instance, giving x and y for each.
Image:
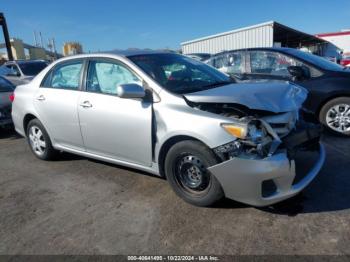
(81, 206)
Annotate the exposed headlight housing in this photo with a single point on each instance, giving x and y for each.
(256, 131)
(254, 140)
(236, 130)
(252, 130)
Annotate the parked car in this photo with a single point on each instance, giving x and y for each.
(23, 71)
(345, 61)
(6, 97)
(328, 83)
(209, 137)
(199, 56)
(4, 71)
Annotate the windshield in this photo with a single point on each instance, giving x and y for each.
(32, 68)
(315, 60)
(179, 74)
(5, 85)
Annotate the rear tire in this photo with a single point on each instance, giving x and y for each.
(335, 115)
(39, 141)
(185, 168)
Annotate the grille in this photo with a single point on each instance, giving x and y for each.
(282, 123)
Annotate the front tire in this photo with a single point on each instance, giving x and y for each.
(185, 168)
(335, 115)
(39, 141)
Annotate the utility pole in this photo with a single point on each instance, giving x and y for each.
(54, 47)
(35, 39)
(6, 36)
(41, 40)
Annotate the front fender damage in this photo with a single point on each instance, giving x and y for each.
(261, 181)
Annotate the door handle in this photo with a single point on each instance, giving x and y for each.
(41, 98)
(86, 104)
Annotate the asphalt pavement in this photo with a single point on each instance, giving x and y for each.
(77, 205)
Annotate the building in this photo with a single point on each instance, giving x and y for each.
(72, 48)
(21, 50)
(268, 34)
(339, 39)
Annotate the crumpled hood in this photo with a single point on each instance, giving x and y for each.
(276, 97)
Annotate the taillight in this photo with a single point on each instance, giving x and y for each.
(12, 97)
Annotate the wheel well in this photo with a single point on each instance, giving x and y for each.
(327, 100)
(26, 121)
(165, 148)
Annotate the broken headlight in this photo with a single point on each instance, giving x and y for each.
(253, 140)
(252, 130)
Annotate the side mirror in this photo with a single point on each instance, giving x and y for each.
(298, 72)
(130, 91)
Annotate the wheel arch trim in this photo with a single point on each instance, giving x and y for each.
(328, 99)
(167, 144)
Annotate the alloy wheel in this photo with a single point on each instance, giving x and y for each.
(338, 118)
(37, 140)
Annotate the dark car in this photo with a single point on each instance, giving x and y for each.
(328, 83)
(6, 98)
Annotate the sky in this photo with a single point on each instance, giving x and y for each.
(102, 25)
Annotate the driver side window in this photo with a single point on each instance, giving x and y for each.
(276, 64)
(270, 63)
(104, 77)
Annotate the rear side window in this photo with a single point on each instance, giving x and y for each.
(5, 86)
(64, 76)
(231, 63)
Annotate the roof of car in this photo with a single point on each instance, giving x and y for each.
(127, 53)
(256, 48)
(24, 61)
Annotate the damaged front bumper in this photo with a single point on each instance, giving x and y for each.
(262, 182)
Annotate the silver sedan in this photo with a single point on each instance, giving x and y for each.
(173, 116)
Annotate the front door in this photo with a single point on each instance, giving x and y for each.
(111, 126)
(56, 103)
(268, 65)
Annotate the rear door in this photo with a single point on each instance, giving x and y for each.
(56, 103)
(114, 127)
